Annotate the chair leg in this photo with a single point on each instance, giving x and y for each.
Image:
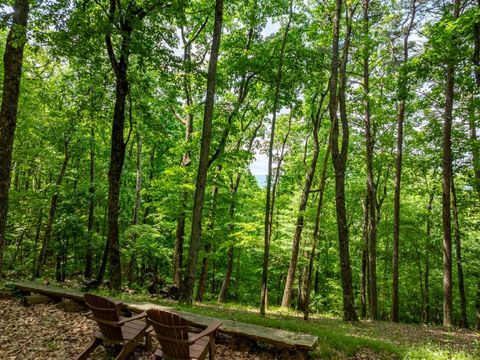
(211, 349)
(126, 349)
(95, 343)
(130, 346)
(148, 341)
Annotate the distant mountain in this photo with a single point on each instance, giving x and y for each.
(262, 180)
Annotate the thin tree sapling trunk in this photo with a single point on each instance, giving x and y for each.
(136, 207)
(458, 251)
(208, 241)
(316, 122)
(91, 206)
(51, 215)
(316, 231)
(186, 290)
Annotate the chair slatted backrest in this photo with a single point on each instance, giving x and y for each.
(172, 332)
(106, 313)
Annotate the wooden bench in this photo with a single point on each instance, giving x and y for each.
(276, 337)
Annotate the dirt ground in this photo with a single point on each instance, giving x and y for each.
(43, 331)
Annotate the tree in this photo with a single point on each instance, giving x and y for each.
(53, 209)
(125, 20)
(402, 95)
(269, 192)
(186, 290)
(339, 154)
(12, 66)
(446, 183)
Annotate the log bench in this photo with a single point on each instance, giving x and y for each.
(303, 343)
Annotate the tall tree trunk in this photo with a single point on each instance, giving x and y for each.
(179, 237)
(202, 281)
(117, 158)
(103, 264)
(12, 68)
(17, 248)
(234, 185)
(316, 231)
(371, 189)
(475, 144)
(316, 122)
(364, 285)
(268, 199)
(402, 93)
(209, 240)
(426, 300)
(91, 206)
(136, 207)
(119, 62)
(477, 305)
(37, 237)
(230, 253)
(339, 157)
(186, 161)
(51, 216)
(458, 250)
(188, 282)
(446, 187)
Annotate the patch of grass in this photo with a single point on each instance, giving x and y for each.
(431, 353)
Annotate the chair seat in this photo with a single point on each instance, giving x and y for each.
(129, 331)
(197, 350)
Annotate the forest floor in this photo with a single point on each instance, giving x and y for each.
(43, 331)
(64, 334)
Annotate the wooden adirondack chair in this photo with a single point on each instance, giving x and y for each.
(114, 328)
(175, 340)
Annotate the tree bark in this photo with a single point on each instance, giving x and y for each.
(12, 67)
(186, 161)
(364, 284)
(136, 207)
(17, 248)
(477, 305)
(179, 237)
(126, 20)
(37, 237)
(446, 187)
(316, 231)
(339, 157)
(230, 254)
(51, 217)
(458, 250)
(475, 145)
(91, 206)
(188, 282)
(371, 189)
(202, 281)
(209, 240)
(426, 300)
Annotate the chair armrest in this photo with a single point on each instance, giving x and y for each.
(136, 317)
(208, 331)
